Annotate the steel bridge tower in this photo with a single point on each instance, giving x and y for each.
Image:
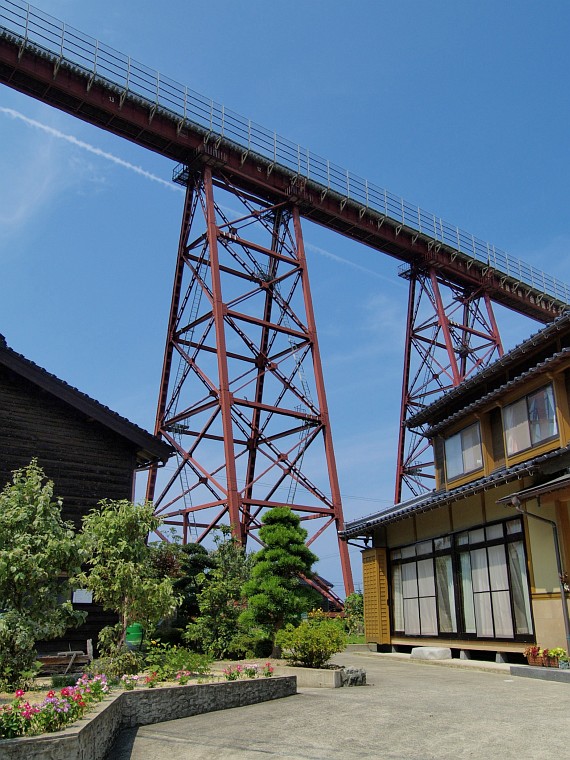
(242, 397)
(451, 333)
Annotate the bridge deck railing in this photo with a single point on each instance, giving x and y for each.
(34, 29)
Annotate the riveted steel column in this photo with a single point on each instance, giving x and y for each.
(321, 395)
(219, 311)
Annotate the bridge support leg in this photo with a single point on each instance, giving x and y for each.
(451, 333)
(242, 397)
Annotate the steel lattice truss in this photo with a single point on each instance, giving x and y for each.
(242, 397)
(451, 334)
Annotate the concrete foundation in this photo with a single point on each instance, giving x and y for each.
(431, 653)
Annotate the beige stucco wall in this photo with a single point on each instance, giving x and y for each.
(433, 524)
(401, 533)
(548, 622)
(540, 546)
(467, 512)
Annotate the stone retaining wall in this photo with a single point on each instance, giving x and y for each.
(92, 737)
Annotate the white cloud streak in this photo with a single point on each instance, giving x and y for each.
(13, 114)
(89, 148)
(347, 262)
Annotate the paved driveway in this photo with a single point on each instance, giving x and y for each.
(407, 710)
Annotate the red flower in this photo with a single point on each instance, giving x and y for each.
(20, 693)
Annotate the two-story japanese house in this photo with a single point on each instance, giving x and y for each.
(476, 564)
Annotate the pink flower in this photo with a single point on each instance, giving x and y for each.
(20, 693)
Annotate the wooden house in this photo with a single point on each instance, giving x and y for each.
(479, 564)
(89, 452)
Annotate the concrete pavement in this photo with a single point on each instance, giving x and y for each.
(407, 710)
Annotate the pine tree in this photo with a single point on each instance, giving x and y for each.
(276, 593)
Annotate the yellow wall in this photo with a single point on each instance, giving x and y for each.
(402, 532)
(375, 588)
(540, 546)
(434, 523)
(548, 622)
(467, 512)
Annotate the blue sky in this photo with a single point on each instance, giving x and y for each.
(461, 108)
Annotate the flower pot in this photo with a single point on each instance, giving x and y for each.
(564, 664)
(550, 662)
(534, 659)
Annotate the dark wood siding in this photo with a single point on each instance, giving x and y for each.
(86, 461)
(498, 442)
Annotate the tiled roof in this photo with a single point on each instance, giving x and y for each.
(436, 499)
(539, 368)
(560, 324)
(149, 445)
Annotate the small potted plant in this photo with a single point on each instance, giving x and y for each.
(564, 661)
(534, 655)
(552, 656)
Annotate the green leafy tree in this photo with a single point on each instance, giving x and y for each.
(183, 564)
(354, 613)
(120, 572)
(215, 630)
(39, 552)
(276, 594)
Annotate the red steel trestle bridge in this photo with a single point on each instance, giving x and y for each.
(242, 398)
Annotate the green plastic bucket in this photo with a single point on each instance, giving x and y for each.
(134, 636)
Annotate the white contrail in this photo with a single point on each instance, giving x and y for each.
(153, 177)
(90, 148)
(347, 262)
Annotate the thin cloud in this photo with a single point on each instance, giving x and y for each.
(10, 112)
(89, 148)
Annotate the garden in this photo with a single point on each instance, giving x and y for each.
(207, 615)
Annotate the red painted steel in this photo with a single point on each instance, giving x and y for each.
(246, 408)
(75, 91)
(446, 342)
(441, 349)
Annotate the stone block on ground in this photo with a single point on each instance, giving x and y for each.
(353, 677)
(431, 653)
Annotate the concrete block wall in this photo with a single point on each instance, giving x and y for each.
(92, 737)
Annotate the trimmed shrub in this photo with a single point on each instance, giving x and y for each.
(312, 643)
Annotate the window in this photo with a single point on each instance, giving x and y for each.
(530, 420)
(463, 452)
(473, 584)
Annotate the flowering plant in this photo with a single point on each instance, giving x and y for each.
(554, 653)
(15, 718)
(151, 680)
(232, 672)
(129, 682)
(267, 670)
(95, 686)
(183, 676)
(56, 711)
(53, 713)
(251, 671)
(533, 651)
